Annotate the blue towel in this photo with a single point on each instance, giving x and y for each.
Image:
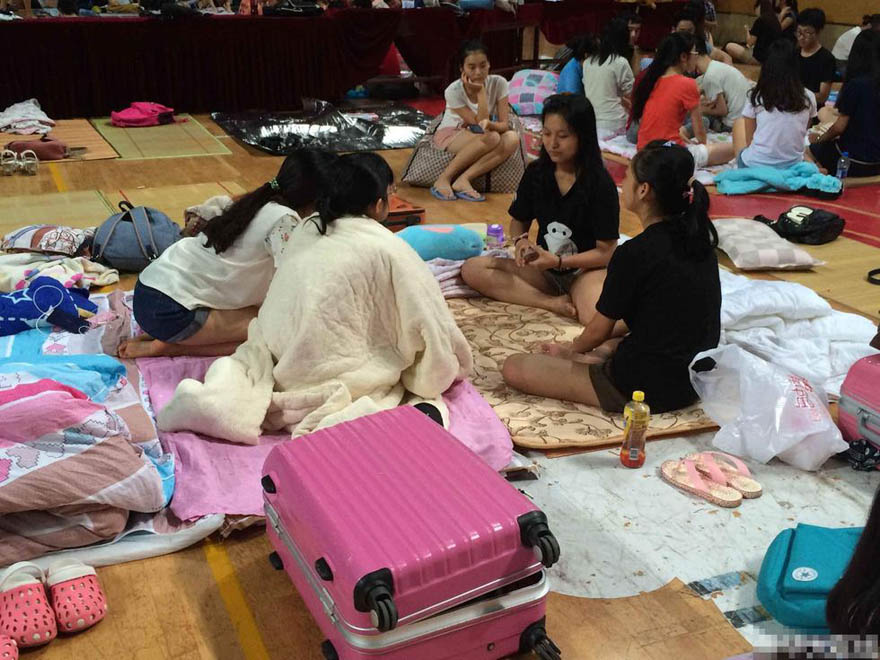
(771, 179)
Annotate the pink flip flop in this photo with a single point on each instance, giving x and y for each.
(734, 471)
(683, 475)
(76, 595)
(25, 614)
(8, 648)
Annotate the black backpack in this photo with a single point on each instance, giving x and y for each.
(802, 224)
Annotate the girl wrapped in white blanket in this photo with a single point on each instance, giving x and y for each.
(353, 322)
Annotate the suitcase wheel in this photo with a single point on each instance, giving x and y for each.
(275, 560)
(548, 549)
(535, 533)
(328, 650)
(268, 484)
(430, 410)
(384, 614)
(534, 638)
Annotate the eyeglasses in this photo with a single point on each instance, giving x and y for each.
(806, 33)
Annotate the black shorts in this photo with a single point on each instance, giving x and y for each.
(163, 318)
(828, 153)
(610, 398)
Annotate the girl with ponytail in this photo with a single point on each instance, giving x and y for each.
(662, 294)
(200, 295)
(667, 95)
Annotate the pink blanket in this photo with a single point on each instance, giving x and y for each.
(214, 476)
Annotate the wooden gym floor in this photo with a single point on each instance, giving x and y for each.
(221, 599)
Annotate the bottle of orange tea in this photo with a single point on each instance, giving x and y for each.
(637, 416)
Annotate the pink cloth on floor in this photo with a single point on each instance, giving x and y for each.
(143, 113)
(215, 476)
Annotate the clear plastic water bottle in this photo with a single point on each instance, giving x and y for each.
(843, 166)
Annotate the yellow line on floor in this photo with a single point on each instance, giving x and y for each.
(57, 177)
(236, 605)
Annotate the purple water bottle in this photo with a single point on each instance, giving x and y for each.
(495, 236)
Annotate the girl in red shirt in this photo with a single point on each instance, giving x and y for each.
(667, 95)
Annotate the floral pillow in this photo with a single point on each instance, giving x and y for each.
(49, 239)
(529, 89)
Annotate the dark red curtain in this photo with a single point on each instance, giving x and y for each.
(428, 39)
(88, 67)
(657, 23)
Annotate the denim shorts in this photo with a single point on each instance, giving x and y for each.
(163, 318)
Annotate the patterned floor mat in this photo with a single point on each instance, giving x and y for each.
(496, 330)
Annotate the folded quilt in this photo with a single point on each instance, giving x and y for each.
(60, 449)
(353, 321)
(802, 176)
(793, 327)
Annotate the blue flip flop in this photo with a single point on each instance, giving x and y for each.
(462, 194)
(439, 195)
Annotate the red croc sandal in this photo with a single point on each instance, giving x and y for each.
(76, 595)
(8, 648)
(25, 614)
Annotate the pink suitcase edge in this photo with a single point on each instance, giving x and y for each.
(860, 417)
(514, 621)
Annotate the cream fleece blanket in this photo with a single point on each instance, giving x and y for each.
(353, 321)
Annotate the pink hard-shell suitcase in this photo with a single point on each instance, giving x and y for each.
(404, 545)
(860, 402)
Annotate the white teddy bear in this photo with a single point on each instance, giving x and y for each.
(558, 239)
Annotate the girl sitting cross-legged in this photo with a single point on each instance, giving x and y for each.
(662, 292)
(574, 200)
(776, 115)
(475, 126)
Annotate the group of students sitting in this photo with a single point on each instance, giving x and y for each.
(648, 306)
(688, 87)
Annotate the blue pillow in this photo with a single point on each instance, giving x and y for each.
(443, 241)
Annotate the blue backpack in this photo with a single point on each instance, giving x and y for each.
(800, 568)
(131, 239)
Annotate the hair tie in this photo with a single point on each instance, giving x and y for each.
(273, 184)
(670, 143)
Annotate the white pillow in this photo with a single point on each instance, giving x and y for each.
(752, 245)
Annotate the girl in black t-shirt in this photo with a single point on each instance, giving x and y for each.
(662, 291)
(856, 128)
(574, 200)
(764, 31)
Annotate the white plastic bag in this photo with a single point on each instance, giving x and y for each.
(765, 411)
